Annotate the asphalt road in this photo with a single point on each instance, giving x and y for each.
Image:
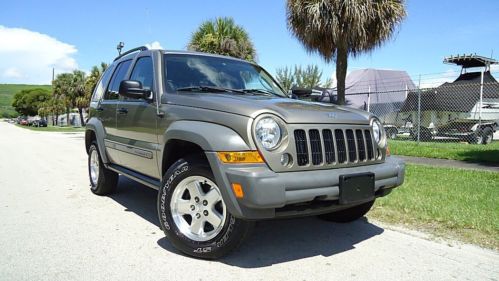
(53, 228)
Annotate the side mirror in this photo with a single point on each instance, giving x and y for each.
(133, 89)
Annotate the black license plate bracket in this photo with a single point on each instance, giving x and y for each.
(356, 188)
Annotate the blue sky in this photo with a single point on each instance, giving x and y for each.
(83, 33)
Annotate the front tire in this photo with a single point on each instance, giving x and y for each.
(193, 214)
(102, 181)
(348, 215)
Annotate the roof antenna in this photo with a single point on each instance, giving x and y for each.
(119, 47)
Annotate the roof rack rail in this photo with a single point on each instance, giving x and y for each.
(138, 49)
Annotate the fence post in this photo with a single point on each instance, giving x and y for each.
(481, 101)
(419, 108)
(369, 100)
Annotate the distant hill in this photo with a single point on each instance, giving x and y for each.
(7, 92)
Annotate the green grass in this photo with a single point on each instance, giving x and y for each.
(7, 92)
(51, 128)
(448, 202)
(456, 151)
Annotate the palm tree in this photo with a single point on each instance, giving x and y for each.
(62, 91)
(285, 77)
(78, 93)
(222, 36)
(336, 28)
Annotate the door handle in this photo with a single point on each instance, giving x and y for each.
(122, 110)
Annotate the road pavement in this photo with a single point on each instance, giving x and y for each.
(53, 228)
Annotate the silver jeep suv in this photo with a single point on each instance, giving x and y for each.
(225, 146)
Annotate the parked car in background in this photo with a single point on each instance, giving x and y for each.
(39, 123)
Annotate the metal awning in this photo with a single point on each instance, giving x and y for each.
(471, 60)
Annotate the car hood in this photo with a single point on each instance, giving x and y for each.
(290, 110)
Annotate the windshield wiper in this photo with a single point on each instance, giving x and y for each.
(261, 91)
(209, 89)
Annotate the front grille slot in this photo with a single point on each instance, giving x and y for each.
(328, 146)
(301, 147)
(352, 154)
(315, 146)
(340, 143)
(369, 145)
(360, 145)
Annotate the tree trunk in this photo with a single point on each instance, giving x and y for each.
(341, 73)
(80, 110)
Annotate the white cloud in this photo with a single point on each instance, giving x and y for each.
(154, 45)
(12, 72)
(28, 57)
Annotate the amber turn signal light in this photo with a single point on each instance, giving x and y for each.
(235, 157)
(238, 190)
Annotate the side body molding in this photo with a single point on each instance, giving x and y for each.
(96, 126)
(209, 136)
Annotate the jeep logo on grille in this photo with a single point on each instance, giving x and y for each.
(331, 115)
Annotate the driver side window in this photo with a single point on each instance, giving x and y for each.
(143, 72)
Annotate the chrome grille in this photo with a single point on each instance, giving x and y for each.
(333, 146)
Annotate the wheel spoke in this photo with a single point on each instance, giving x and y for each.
(197, 226)
(183, 206)
(212, 196)
(214, 218)
(195, 189)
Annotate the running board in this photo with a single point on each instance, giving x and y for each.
(138, 177)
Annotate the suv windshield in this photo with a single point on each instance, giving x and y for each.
(185, 72)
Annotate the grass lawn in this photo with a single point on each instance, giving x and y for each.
(50, 128)
(448, 202)
(456, 151)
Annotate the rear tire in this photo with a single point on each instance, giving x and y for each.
(348, 215)
(193, 214)
(488, 135)
(102, 181)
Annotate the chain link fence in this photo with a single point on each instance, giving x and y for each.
(461, 111)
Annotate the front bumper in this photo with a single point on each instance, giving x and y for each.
(268, 194)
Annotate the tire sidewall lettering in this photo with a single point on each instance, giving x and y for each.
(166, 186)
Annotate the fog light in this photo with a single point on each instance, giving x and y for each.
(286, 159)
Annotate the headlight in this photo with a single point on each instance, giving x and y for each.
(268, 132)
(378, 132)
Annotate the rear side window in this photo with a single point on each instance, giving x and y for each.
(118, 76)
(101, 86)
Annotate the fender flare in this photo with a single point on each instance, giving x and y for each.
(96, 126)
(209, 136)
